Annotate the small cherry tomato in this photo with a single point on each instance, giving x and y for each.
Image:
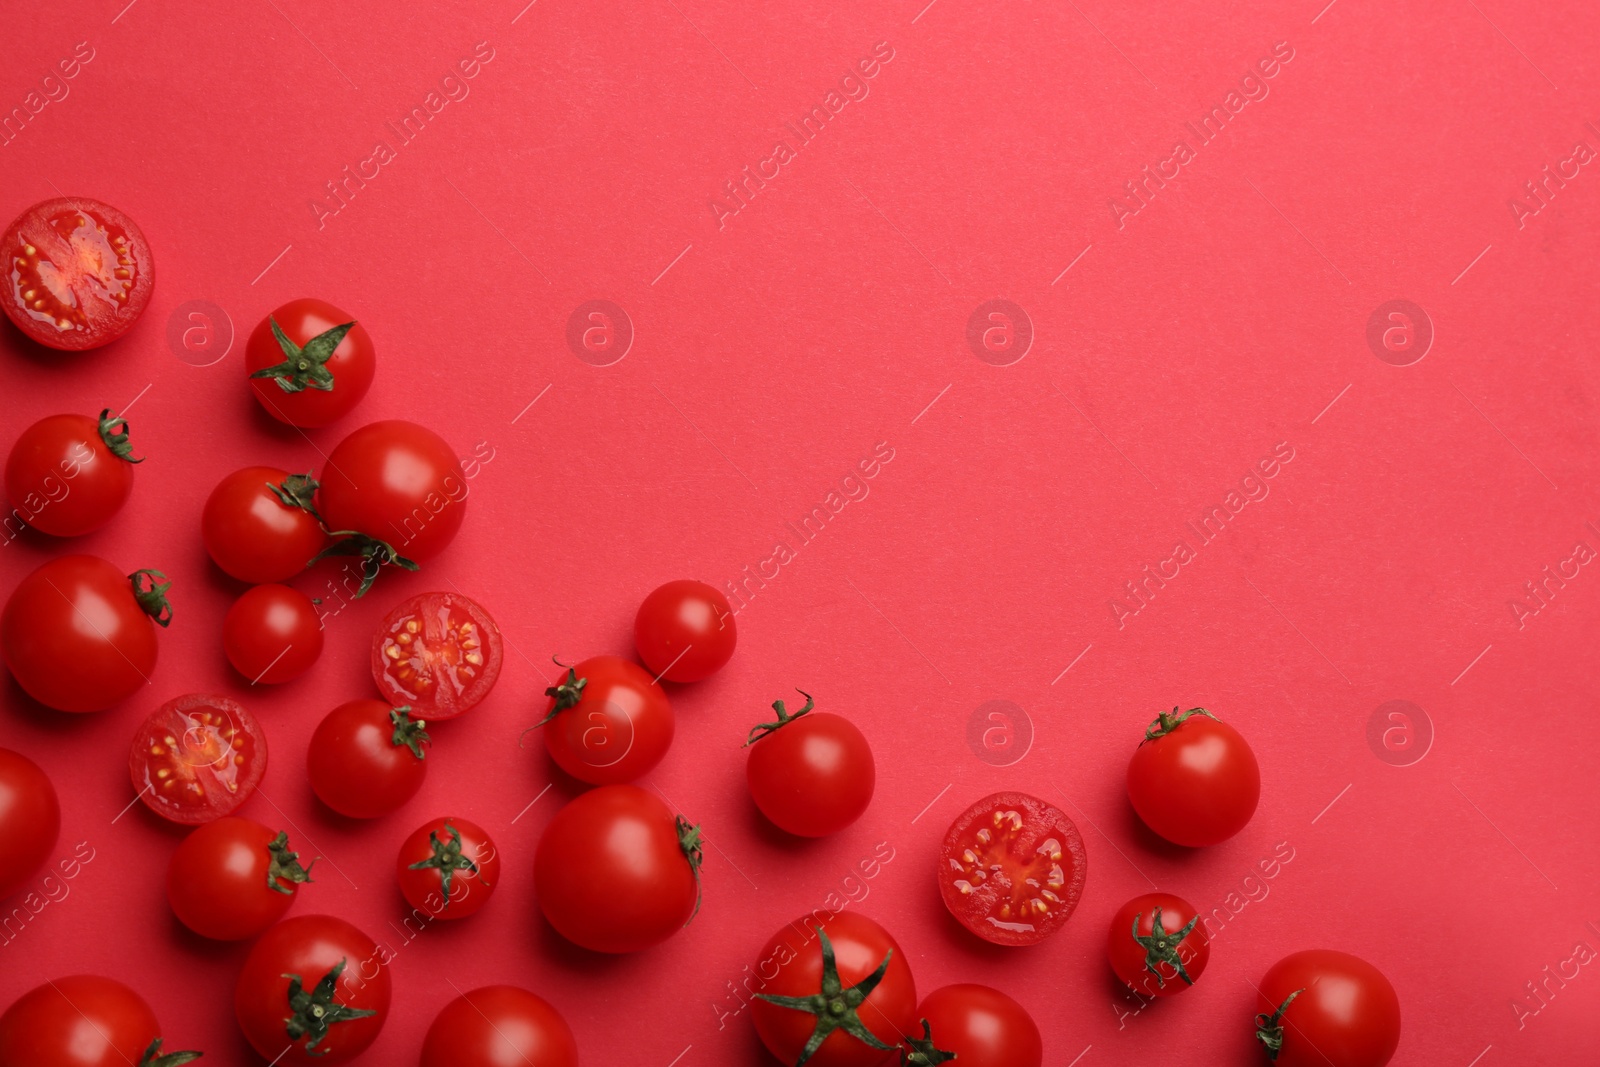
(607, 722)
(83, 1020)
(367, 759)
(232, 878)
(272, 634)
(197, 758)
(812, 772)
(684, 631)
(314, 990)
(448, 868)
(1322, 1008)
(1158, 945)
(30, 820)
(438, 652)
(259, 524)
(1012, 868)
(310, 363)
(1193, 779)
(69, 474)
(396, 492)
(974, 1026)
(499, 1026)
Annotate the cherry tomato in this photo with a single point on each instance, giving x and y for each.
(232, 878)
(70, 474)
(367, 759)
(448, 869)
(684, 631)
(607, 722)
(616, 871)
(259, 527)
(30, 820)
(439, 653)
(79, 273)
(1012, 869)
(1152, 962)
(79, 635)
(83, 1020)
(812, 772)
(1322, 1008)
(197, 758)
(974, 1026)
(310, 363)
(859, 974)
(1193, 779)
(397, 484)
(272, 634)
(499, 1026)
(314, 990)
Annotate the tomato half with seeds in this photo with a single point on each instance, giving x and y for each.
(499, 1026)
(83, 1020)
(1158, 945)
(272, 634)
(310, 363)
(440, 653)
(1012, 868)
(366, 758)
(69, 475)
(30, 820)
(1193, 779)
(197, 758)
(974, 1026)
(607, 722)
(448, 868)
(684, 631)
(1324, 1008)
(232, 878)
(399, 486)
(259, 525)
(811, 772)
(78, 273)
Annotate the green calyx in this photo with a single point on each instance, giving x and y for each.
(373, 552)
(784, 719)
(153, 1058)
(298, 491)
(409, 732)
(313, 1014)
(446, 859)
(285, 865)
(1269, 1028)
(1166, 723)
(1161, 946)
(689, 838)
(304, 366)
(152, 595)
(566, 694)
(921, 1052)
(114, 432)
(835, 1007)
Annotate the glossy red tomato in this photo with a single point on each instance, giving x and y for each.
(310, 363)
(232, 878)
(862, 979)
(616, 871)
(83, 1020)
(197, 758)
(30, 820)
(314, 990)
(272, 634)
(607, 722)
(70, 474)
(1152, 962)
(367, 759)
(812, 772)
(1012, 868)
(448, 868)
(499, 1026)
(684, 631)
(79, 635)
(79, 273)
(258, 524)
(397, 484)
(438, 652)
(1322, 1008)
(974, 1026)
(1193, 779)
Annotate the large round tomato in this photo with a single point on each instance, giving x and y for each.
(79, 635)
(812, 772)
(79, 273)
(232, 878)
(684, 631)
(367, 759)
(272, 634)
(1193, 779)
(314, 990)
(1158, 945)
(974, 1026)
(1322, 1008)
(607, 721)
(197, 758)
(841, 994)
(258, 524)
(438, 652)
(30, 820)
(83, 1020)
(616, 871)
(310, 363)
(69, 474)
(448, 868)
(1012, 868)
(499, 1026)
(396, 483)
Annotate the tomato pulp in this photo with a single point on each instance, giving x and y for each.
(79, 273)
(197, 758)
(440, 653)
(1012, 868)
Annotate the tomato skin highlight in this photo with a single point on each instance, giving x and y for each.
(60, 662)
(684, 631)
(252, 535)
(397, 482)
(30, 820)
(217, 880)
(1347, 1014)
(81, 1020)
(620, 728)
(470, 889)
(424, 650)
(352, 365)
(982, 1026)
(812, 776)
(197, 758)
(272, 634)
(63, 479)
(355, 766)
(499, 1026)
(1128, 957)
(1197, 785)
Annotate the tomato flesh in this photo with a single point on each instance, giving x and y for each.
(197, 758)
(440, 653)
(1012, 869)
(80, 273)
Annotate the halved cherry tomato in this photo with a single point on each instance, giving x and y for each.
(83, 1020)
(1193, 779)
(1158, 962)
(259, 524)
(78, 273)
(272, 634)
(607, 722)
(974, 1026)
(1012, 868)
(197, 758)
(499, 1026)
(812, 772)
(448, 868)
(367, 759)
(70, 474)
(684, 631)
(232, 878)
(310, 363)
(438, 652)
(1323, 1008)
(30, 820)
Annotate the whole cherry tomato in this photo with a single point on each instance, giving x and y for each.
(260, 525)
(83, 1020)
(310, 363)
(448, 868)
(69, 474)
(232, 878)
(684, 631)
(1322, 1008)
(607, 722)
(197, 758)
(1012, 868)
(314, 990)
(272, 634)
(1193, 779)
(367, 759)
(79, 273)
(30, 820)
(1158, 945)
(812, 772)
(499, 1026)
(974, 1026)
(393, 492)
(440, 653)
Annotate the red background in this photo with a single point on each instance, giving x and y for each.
(822, 318)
